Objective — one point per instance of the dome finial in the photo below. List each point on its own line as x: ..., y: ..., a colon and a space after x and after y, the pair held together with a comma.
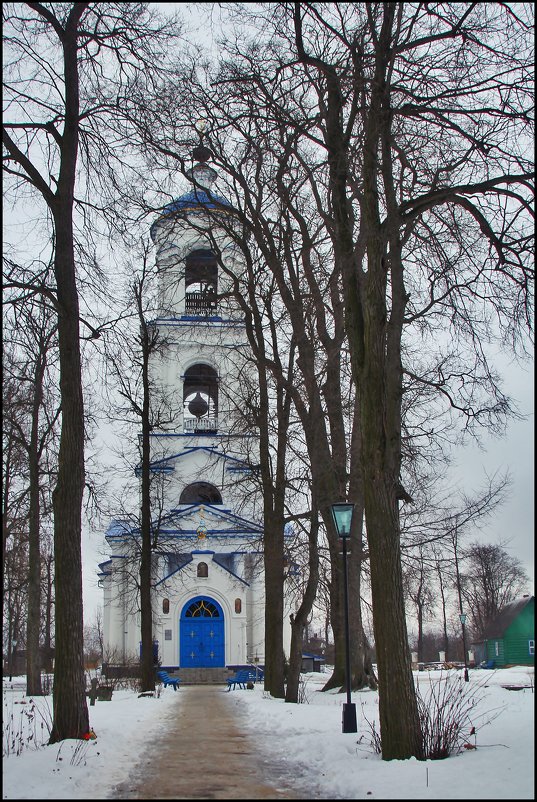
x: 201, y: 127
x: 201, y: 174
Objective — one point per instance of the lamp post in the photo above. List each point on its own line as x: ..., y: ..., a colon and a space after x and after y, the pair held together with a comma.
x: 342, y: 515
x: 463, y: 622
x: 13, y: 647
x: 462, y: 615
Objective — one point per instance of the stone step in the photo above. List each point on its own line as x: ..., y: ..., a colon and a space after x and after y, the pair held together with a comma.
x: 203, y: 676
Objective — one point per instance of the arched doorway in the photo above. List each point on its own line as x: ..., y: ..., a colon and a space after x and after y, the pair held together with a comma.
x: 201, y: 634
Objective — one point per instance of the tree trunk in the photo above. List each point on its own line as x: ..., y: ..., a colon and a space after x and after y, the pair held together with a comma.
x: 362, y: 672
x: 146, y: 603
x: 445, y: 637
x: 295, y: 659
x: 420, y: 632
x: 47, y: 638
x: 299, y: 621
x: 274, y: 607
x: 70, y: 706
x: 33, y: 663
x: 337, y: 678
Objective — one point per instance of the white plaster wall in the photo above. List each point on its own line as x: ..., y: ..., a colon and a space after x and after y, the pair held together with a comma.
x: 114, y: 618
x: 197, y: 466
x: 221, y: 586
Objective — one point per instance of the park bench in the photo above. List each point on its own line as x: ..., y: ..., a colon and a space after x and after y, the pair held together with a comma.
x: 101, y: 692
x: 243, y: 676
x: 167, y: 680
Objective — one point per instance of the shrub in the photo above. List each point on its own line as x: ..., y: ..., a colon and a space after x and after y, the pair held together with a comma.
x: 449, y: 716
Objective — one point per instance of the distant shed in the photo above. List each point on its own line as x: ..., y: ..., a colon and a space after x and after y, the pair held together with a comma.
x: 510, y: 638
x: 312, y: 662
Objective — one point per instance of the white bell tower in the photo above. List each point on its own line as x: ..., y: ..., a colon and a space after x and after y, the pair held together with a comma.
x: 208, y: 577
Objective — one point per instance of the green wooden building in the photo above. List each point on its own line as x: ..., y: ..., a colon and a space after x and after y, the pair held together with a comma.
x: 510, y: 638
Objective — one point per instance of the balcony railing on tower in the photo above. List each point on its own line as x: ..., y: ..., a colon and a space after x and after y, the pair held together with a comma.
x: 201, y: 303
x: 201, y: 425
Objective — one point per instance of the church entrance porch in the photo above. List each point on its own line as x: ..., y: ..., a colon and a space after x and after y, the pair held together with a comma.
x: 201, y: 634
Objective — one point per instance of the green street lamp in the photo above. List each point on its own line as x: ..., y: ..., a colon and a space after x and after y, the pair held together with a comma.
x: 11, y: 659
x: 462, y: 615
x: 342, y: 515
x: 463, y: 622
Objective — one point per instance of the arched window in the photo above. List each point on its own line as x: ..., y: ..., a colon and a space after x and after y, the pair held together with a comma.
x: 200, y: 399
x: 203, y: 570
x: 200, y: 493
x: 165, y: 606
x: 238, y: 606
x: 202, y: 609
x: 201, y: 282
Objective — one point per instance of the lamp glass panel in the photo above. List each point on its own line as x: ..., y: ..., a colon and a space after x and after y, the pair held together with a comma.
x: 342, y: 515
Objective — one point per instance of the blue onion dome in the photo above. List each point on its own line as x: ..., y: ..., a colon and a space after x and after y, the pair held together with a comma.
x: 193, y: 202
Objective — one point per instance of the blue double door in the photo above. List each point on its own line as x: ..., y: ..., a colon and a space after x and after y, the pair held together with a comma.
x: 201, y: 635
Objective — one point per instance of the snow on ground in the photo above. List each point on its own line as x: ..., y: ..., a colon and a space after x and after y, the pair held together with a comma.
x: 307, y: 738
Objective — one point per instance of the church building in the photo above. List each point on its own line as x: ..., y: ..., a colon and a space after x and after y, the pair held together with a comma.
x: 208, y: 581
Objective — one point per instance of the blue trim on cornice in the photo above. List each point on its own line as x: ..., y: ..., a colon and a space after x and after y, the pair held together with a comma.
x: 218, y: 512
x: 228, y: 533
x: 186, y: 321
x: 228, y: 436
x: 223, y: 567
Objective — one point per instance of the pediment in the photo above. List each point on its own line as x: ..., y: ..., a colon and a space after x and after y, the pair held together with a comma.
x: 208, y: 520
x: 192, y: 522
x: 167, y: 464
x: 217, y: 562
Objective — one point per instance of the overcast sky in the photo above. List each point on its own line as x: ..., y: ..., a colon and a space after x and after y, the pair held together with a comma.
x: 513, y: 524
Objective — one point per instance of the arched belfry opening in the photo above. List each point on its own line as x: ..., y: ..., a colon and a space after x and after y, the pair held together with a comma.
x: 200, y: 399
x: 201, y: 282
x: 200, y: 493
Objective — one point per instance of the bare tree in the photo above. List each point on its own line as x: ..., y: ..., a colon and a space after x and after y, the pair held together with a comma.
x: 93, y: 637
x: 299, y: 304
x: 47, y: 595
x: 419, y: 588
x: 490, y: 579
x: 32, y: 341
x: 457, y: 203
x: 66, y: 66
x: 427, y: 207
x: 132, y: 348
